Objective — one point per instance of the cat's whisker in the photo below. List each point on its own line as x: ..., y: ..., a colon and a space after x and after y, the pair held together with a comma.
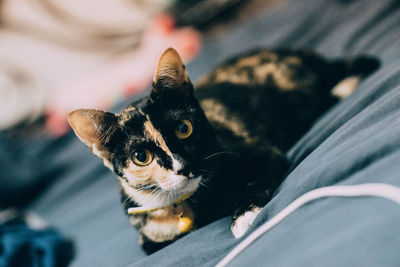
x: 220, y: 153
x: 166, y: 195
x: 126, y: 199
x: 203, y: 184
x: 148, y: 187
x: 129, y: 198
x: 161, y: 194
x: 205, y: 170
x: 156, y: 195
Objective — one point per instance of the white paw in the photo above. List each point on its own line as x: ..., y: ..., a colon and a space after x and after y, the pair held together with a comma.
x: 244, y: 221
x: 346, y: 87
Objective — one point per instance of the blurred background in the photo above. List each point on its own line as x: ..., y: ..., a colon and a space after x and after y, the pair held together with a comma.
x: 56, y: 56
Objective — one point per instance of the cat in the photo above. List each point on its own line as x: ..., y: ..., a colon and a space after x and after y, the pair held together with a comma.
x: 185, y: 157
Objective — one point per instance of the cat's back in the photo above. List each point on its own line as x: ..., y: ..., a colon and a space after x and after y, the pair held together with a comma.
x: 252, y: 94
x: 280, y: 68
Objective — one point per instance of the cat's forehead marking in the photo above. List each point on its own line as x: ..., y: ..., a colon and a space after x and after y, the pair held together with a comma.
x: 130, y: 108
x: 155, y: 135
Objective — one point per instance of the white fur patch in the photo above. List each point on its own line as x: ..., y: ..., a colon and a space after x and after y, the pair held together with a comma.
x: 143, y: 199
x: 176, y: 165
x: 150, y: 200
x: 160, y: 231
x: 96, y: 151
x: 346, y: 87
x: 174, y: 182
x: 244, y: 222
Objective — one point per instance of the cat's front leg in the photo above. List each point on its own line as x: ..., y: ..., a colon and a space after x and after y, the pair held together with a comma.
x: 265, y: 168
x: 248, y: 207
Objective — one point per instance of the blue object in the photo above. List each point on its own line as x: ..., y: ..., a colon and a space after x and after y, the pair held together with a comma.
x: 23, y: 246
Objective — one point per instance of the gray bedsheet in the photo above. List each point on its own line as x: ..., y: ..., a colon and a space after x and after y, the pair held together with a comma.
x: 357, y: 141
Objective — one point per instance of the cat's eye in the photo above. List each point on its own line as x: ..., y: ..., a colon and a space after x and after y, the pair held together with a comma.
x: 142, y: 157
x: 184, y: 129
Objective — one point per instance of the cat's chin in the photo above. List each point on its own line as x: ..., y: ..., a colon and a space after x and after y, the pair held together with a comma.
x: 187, y: 187
x: 167, y: 197
x: 174, y: 182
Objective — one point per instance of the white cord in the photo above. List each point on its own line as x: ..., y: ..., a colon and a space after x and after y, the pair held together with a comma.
x: 389, y: 192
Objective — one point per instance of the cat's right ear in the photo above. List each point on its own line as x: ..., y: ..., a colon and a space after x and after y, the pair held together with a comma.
x: 171, y: 76
x: 94, y: 128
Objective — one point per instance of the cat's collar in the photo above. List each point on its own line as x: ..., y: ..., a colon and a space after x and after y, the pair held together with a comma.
x: 140, y: 210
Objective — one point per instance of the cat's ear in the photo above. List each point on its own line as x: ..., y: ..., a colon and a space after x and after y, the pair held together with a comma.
x: 171, y: 74
x: 94, y: 128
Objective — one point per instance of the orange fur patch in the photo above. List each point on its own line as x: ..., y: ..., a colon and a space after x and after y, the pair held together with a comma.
x: 156, y: 136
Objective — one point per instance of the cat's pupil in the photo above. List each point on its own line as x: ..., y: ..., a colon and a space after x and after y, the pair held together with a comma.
x: 183, y: 127
x: 141, y: 155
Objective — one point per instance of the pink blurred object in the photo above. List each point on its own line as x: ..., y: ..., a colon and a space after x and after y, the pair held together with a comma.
x: 126, y: 76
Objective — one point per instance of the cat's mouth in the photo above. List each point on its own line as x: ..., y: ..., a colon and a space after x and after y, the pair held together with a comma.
x: 165, y: 193
x: 174, y: 182
x: 178, y: 186
x: 169, y: 197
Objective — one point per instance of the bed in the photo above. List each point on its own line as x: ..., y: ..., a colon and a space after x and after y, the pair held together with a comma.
x: 355, y: 142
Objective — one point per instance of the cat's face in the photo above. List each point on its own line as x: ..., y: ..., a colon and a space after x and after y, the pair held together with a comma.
x: 158, y: 146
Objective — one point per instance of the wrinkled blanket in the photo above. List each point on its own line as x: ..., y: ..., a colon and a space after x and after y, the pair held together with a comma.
x: 357, y: 141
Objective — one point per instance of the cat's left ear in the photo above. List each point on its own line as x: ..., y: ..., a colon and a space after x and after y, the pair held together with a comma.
x: 171, y: 75
x: 94, y: 128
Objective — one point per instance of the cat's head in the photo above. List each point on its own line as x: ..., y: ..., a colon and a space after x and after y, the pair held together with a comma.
x: 158, y: 146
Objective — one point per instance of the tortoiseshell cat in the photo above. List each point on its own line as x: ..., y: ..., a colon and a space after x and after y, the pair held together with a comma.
x: 222, y: 144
